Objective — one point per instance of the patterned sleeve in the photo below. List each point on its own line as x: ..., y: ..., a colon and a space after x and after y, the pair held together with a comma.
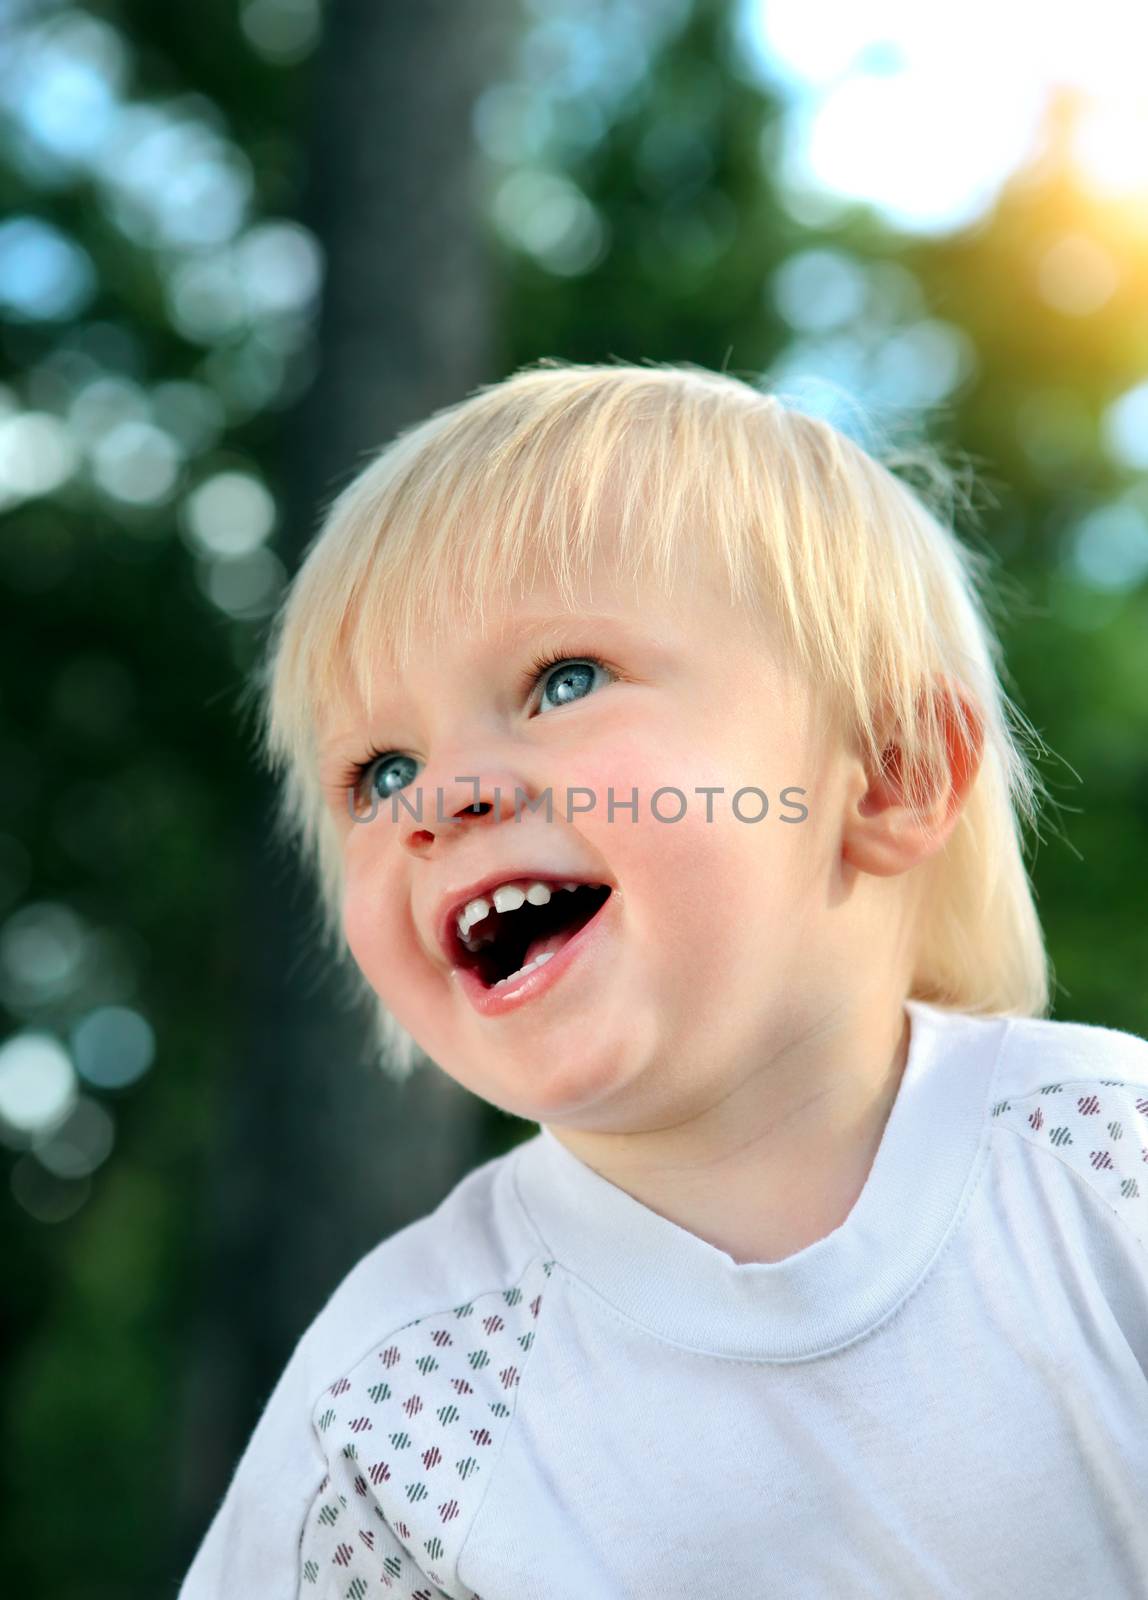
x: 1099, y: 1128
x: 412, y: 1434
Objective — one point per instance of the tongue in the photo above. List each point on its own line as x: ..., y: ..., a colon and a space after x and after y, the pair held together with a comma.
x: 548, y: 943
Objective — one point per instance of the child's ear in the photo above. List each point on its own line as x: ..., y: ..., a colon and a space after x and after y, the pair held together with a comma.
x: 881, y: 833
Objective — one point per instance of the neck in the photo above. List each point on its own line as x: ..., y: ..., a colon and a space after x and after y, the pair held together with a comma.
x: 780, y: 1160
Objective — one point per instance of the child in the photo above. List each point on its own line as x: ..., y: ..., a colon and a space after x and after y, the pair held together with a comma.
x: 647, y: 739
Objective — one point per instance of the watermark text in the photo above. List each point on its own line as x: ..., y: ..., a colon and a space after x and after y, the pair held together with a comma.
x: 665, y: 804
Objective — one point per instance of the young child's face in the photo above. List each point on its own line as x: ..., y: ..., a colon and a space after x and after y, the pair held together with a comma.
x: 718, y: 936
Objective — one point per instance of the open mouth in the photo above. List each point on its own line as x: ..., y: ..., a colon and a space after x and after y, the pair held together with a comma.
x: 511, y: 942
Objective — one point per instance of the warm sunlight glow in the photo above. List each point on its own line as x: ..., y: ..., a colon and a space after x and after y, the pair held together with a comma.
x: 1112, y: 143
x: 924, y: 111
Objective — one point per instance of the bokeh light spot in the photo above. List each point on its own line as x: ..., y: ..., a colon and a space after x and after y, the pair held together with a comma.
x: 37, y: 1083
x: 244, y: 586
x: 231, y: 514
x: 1125, y: 429
x: 136, y: 462
x: 113, y: 1046
x: 42, y: 950
x: 36, y: 455
x: 172, y: 180
x: 206, y: 299
x: 65, y: 84
x: 282, y: 31
x: 190, y: 412
x: 102, y: 405
x: 1077, y: 275
x: 81, y: 1142
x: 280, y: 265
x: 42, y: 1195
x: 512, y: 122
x: 552, y: 219
x: 43, y: 274
x: 920, y: 365
x: 1110, y: 548
x: 816, y: 290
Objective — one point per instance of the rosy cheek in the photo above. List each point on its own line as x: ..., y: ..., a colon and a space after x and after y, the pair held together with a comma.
x: 372, y: 926
x: 382, y: 939
x: 619, y: 766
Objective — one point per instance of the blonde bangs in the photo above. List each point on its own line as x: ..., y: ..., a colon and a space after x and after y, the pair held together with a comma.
x: 498, y: 498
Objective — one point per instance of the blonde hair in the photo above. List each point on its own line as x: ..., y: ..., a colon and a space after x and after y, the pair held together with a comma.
x: 876, y: 595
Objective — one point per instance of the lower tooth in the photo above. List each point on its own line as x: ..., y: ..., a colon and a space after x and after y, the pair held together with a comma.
x: 538, y: 961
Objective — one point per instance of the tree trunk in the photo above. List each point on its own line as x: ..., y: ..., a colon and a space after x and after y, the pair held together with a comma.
x: 320, y: 1156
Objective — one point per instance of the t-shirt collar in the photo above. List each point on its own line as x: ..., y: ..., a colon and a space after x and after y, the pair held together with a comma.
x: 686, y: 1290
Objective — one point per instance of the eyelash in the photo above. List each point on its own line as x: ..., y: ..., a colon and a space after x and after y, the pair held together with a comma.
x: 356, y: 771
x: 543, y: 664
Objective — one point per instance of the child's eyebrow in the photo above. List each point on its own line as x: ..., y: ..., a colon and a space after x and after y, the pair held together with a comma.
x: 525, y: 628
x: 537, y: 627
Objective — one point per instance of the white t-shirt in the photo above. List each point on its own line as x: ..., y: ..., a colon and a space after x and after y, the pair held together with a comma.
x: 546, y: 1391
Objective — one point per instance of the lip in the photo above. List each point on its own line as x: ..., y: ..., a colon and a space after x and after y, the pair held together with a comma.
x: 497, y: 1002
x: 445, y: 930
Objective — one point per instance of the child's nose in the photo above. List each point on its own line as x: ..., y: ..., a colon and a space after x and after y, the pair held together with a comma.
x: 443, y: 807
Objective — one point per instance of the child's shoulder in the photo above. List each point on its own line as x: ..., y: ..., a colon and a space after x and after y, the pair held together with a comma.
x: 424, y: 1342
x: 1038, y: 1054
x: 1079, y: 1092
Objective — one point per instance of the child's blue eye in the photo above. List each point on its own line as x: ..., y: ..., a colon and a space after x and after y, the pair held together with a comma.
x: 397, y: 768
x: 567, y: 679
x: 387, y: 767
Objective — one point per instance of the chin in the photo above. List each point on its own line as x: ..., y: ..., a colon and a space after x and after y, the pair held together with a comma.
x: 549, y: 1086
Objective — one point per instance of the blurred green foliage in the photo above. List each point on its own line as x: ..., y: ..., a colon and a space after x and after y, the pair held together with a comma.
x: 158, y: 324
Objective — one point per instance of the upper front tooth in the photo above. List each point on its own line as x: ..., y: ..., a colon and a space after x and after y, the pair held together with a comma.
x: 473, y: 912
x: 507, y: 897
